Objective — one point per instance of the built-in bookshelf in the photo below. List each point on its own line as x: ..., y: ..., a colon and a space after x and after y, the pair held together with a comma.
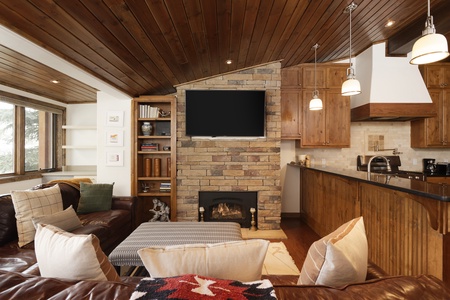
x: 153, y: 175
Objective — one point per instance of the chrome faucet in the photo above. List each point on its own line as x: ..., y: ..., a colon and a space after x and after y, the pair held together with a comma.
x: 369, y: 165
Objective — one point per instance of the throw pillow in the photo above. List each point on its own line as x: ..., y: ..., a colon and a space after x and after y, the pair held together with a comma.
x: 66, y: 219
x: 28, y: 204
x: 339, y: 258
x: 228, y: 260
x: 64, y: 255
x: 95, y: 197
x: 192, y: 286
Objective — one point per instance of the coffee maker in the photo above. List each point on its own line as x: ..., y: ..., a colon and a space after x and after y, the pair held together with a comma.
x: 429, y: 165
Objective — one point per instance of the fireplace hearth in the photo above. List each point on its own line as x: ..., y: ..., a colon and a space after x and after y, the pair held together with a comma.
x: 228, y: 207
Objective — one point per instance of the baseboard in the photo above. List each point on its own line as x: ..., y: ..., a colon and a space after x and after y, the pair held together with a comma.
x: 290, y: 215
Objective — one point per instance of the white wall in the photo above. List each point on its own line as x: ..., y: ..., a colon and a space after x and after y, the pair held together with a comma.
x: 81, y: 115
x: 120, y: 175
x: 290, y: 179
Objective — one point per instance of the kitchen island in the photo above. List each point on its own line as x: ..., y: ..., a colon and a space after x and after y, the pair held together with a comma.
x: 406, y: 220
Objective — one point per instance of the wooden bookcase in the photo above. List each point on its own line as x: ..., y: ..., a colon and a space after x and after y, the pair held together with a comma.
x: 159, y: 145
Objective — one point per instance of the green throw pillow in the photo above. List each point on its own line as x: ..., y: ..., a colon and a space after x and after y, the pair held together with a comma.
x: 95, y: 197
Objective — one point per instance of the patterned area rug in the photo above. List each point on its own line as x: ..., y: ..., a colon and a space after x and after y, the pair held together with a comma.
x: 263, y: 234
x: 278, y: 261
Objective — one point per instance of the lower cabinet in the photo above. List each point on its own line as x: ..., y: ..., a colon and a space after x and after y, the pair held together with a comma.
x: 407, y: 234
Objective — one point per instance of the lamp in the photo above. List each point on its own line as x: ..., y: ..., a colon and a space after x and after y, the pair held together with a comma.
x: 431, y: 46
x: 351, y: 86
x: 316, y: 102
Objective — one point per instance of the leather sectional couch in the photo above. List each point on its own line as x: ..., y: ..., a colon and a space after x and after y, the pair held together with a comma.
x: 19, y: 273
x: 111, y: 227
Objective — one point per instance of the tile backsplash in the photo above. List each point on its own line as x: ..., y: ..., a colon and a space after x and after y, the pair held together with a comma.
x: 365, y: 135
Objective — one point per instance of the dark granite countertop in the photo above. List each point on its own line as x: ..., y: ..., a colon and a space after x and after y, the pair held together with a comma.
x: 436, y: 191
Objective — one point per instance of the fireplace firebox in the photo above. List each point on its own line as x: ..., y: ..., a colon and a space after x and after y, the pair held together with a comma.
x: 228, y: 207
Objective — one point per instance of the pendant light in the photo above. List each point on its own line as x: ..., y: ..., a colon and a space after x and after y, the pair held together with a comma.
x: 351, y: 86
x: 431, y: 46
x: 316, y: 102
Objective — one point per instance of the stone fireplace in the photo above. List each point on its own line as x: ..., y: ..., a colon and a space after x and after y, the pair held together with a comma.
x: 228, y: 207
x: 233, y: 165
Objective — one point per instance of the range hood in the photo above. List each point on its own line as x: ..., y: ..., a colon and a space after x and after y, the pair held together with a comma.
x: 392, y: 89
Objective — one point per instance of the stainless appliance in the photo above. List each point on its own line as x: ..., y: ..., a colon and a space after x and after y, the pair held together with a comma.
x: 379, y: 165
x: 442, y: 168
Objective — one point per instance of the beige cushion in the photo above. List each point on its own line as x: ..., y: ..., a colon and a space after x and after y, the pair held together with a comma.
x: 240, y: 260
x: 339, y: 258
x: 30, y: 203
x: 66, y: 219
x: 64, y: 255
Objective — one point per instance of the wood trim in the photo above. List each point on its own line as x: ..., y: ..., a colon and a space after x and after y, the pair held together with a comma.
x: 393, y: 111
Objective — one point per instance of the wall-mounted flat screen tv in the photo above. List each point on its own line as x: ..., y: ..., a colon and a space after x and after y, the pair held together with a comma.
x: 225, y: 113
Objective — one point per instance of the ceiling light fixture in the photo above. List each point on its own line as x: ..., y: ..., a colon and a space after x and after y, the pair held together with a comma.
x: 389, y: 23
x: 54, y: 81
x: 351, y: 86
x: 228, y: 61
x: 316, y: 102
x: 431, y: 47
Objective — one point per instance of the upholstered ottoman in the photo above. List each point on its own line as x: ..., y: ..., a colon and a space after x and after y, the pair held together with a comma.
x: 169, y: 234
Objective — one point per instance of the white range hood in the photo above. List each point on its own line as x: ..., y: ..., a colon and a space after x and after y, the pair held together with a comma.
x: 392, y: 88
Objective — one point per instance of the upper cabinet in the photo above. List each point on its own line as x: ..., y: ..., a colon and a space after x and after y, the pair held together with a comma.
x: 434, y: 132
x: 436, y: 75
x: 329, y: 127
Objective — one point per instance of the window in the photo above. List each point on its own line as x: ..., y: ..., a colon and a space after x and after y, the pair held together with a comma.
x: 30, y: 136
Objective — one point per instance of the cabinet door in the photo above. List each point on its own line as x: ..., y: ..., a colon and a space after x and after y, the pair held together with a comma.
x: 313, y: 131
x: 337, y: 119
x: 291, y: 77
x: 291, y: 121
x: 434, y: 126
x: 437, y: 76
x: 308, y: 77
x: 336, y: 76
x: 446, y: 117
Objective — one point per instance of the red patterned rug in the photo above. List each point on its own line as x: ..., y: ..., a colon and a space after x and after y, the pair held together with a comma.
x: 193, y: 286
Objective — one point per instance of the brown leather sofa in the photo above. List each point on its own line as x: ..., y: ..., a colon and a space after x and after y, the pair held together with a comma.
x: 111, y: 227
x: 23, y: 286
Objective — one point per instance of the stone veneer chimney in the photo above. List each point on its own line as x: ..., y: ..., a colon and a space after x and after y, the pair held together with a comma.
x: 238, y: 164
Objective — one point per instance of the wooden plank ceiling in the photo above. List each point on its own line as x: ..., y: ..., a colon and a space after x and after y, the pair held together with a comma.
x: 149, y: 46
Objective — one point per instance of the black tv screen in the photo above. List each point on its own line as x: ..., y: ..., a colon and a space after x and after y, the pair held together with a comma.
x: 225, y: 113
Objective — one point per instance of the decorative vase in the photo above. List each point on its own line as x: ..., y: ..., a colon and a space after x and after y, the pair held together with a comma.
x: 146, y: 128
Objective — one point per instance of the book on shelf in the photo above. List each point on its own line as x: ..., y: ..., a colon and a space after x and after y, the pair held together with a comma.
x: 165, y: 187
x: 149, y: 147
x: 148, y: 111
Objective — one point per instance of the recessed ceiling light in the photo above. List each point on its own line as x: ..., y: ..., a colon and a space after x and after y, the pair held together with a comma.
x: 229, y: 62
x: 54, y: 81
x: 389, y: 23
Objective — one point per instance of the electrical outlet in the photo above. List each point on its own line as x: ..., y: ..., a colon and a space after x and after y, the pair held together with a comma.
x: 324, y: 162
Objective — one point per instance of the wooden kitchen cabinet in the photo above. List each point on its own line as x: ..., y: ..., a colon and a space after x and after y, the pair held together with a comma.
x: 291, y: 116
x: 292, y: 78
x: 436, y: 75
x: 442, y: 180
x: 434, y: 132
x: 329, y: 127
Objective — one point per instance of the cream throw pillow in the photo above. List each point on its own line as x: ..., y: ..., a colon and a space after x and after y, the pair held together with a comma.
x: 65, y: 255
x: 240, y: 260
x: 30, y: 203
x: 339, y: 258
x: 66, y: 219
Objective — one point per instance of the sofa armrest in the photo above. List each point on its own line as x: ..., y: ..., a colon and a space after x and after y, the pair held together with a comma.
x: 124, y: 202
x: 374, y: 271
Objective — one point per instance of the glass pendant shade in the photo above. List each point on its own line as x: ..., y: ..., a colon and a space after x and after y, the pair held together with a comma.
x: 315, y: 103
x: 429, y: 48
x: 351, y: 86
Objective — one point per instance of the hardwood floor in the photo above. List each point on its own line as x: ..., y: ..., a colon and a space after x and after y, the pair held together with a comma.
x: 300, y: 238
